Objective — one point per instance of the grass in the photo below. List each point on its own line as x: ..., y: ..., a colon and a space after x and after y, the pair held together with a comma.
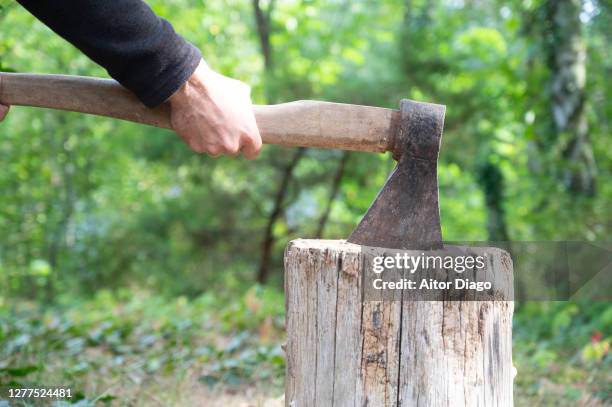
x: 133, y: 348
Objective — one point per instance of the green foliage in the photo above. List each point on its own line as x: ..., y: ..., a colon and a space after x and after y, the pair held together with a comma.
x: 125, y: 256
x: 562, y: 353
x: 95, y: 345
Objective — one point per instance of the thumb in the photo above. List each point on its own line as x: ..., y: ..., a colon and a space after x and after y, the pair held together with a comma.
x: 3, y: 111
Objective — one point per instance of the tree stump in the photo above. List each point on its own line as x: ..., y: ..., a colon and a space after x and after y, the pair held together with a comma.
x: 342, y: 351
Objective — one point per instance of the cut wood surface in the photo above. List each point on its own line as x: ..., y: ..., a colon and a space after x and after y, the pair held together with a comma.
x: 295, y: 124
x: 342, y: 351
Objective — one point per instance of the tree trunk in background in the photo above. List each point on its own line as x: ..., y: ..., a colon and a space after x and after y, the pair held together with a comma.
x: 566, y: 52
x: 263, y: 24
x: 57, y: 237
x: 335, y: 188
x: 492, y: 183
x: 415, y: 20
x: 277, y: 210
x: 263, y: 18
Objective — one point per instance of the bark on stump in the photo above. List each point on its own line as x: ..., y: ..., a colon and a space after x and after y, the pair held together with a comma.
x: 342, y: 351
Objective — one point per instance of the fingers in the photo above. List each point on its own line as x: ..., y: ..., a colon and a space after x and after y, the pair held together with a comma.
x: 3, y: 111
x: 201, y: 141
x: 230, y: 146
x: 249, y: 146
x: 214, y: 114
x: 251, y: 140
x: 252, y: 145
x: 216, y: 141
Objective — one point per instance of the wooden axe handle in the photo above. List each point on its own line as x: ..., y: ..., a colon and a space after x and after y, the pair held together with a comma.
x: 295, y: 124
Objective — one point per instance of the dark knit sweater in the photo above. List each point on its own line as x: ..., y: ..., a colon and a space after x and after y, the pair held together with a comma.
x: 138, y: 49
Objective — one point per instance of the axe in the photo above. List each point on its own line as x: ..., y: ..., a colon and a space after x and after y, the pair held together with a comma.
x: 404, y: 214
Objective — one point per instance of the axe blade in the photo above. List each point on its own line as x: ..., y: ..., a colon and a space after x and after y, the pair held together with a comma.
x: 405, y: 214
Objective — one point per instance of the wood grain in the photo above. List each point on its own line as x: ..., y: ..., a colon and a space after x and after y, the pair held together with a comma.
x: 343, y: 351
x: 294, y: 124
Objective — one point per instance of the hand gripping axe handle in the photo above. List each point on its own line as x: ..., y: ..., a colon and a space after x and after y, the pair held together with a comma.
x: 405, y: 211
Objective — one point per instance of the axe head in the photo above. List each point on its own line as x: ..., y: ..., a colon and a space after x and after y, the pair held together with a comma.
x: 405, y: 214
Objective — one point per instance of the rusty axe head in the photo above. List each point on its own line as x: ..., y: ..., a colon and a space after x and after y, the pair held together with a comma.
x: 405, y: 214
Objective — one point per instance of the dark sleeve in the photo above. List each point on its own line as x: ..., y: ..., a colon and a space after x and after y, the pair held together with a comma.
x: 138, y: 49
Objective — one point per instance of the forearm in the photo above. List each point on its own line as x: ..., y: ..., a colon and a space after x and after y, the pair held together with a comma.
x: 137, y: 48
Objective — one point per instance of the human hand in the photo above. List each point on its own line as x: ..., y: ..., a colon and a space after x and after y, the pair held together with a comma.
x: 3, y: 111
x: 213, y: 114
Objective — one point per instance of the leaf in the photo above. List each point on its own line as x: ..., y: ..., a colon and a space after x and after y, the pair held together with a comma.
x: 107, y: 398
x: 236, y: 342
x: 231, y: 379
x: 208, y: 380
x: 40, y: 267
x: 20, y: 371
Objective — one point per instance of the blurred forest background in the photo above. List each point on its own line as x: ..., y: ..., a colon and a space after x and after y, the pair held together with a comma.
x: 137, y: 271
